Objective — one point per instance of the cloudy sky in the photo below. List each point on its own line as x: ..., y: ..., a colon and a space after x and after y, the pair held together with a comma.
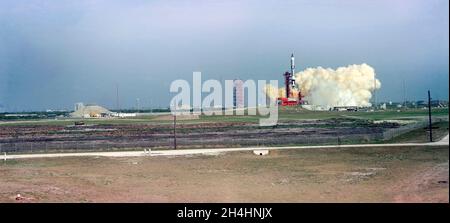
x: 56, y: 53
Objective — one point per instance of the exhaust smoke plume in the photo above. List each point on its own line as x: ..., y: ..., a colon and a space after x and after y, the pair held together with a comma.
x: 346, y: 86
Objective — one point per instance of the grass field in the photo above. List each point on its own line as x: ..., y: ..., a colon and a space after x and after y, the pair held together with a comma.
x: 296, y: 127
x: 440, y: 130
x: 285, y: 114
x: 414, y: 174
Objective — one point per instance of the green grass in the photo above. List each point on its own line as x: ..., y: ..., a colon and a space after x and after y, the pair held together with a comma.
x: 440, y: 130
x: 71, y: 122
x: 293, y: 114
x: 285, y: 114
x: 405, y: 114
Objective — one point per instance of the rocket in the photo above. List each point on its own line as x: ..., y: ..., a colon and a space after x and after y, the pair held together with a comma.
x: 292, y: 64
x: 292, y: 68
x: 289, y: 80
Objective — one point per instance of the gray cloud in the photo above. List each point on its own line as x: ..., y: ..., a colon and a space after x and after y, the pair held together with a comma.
x: 56, y: 53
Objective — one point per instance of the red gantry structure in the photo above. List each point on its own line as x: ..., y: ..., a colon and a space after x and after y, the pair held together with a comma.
x: 289, y: 82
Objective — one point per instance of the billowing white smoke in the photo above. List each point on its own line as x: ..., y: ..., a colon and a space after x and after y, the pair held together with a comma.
x: 346, y: 86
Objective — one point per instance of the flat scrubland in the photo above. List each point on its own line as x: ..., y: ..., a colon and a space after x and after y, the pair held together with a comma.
x: 285, y: 113
x: 295, y: 127
x: 414, y: 174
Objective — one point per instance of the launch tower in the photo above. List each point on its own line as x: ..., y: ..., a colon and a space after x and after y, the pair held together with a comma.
x: 290, y: 99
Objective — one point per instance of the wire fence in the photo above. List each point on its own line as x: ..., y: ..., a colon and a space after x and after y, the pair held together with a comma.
x: 60, y: 146
x: 204, y: 140
x: 182, y: 142
x: 395, y: 132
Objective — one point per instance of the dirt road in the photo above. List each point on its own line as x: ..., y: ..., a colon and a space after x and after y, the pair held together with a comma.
x: 442, y: 142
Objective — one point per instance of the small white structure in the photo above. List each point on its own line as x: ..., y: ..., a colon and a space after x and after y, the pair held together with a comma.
x: 148, y: 152
x: 261, y: 152
x: 123, y: 115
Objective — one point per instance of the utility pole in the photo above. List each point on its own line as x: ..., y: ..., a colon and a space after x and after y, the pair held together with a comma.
x: 404, y: 94
x: 138, y: 104
x: 174, y: 132
x: 429, y: 117
x: 117, y: 98
x: 151, y: 108
x: 374, y: 92
x: 174, y: 128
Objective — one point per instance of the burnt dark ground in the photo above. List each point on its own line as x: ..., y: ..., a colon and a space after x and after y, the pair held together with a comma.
x: 42, y: 138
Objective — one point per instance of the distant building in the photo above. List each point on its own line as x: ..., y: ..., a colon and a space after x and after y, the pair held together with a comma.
x: 89, y: 111
x: 345, y: 108
x: 123, y: 115
x: 439, y: 103
x: 434, y: 103
x: 421, y: 103
x: 238, y: 93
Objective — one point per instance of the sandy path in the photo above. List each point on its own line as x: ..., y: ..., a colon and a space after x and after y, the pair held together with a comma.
x: 442, y: 142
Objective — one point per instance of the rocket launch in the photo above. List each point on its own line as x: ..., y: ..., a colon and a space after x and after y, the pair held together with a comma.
x: 345, y: 86
x: 352, y: 85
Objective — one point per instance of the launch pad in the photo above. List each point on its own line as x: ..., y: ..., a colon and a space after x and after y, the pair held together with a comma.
x: 291, y: 98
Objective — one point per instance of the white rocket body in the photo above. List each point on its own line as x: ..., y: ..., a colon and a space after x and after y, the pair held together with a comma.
x: 292, y: 64
x: 293, y: 69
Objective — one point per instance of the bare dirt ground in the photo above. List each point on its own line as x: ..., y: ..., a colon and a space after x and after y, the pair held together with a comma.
x: 425, y: 185
x: 407, y: 174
